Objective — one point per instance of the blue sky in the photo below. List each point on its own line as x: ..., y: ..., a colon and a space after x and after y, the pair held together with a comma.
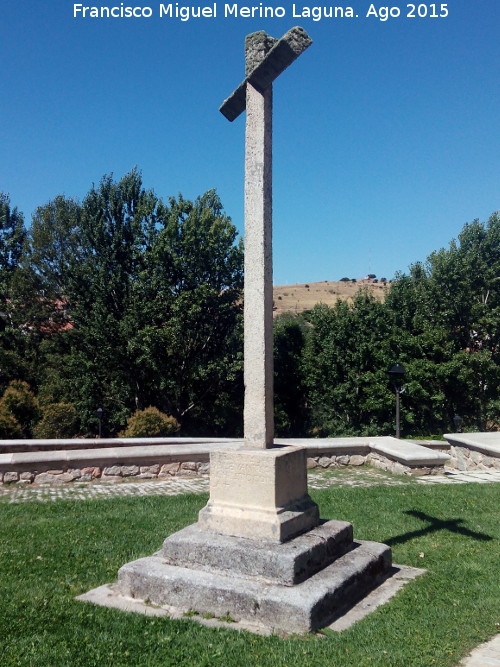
x: 386, y: 133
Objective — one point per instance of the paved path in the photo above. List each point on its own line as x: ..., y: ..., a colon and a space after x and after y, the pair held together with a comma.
x: 484, y: 655
x: 174, y: 486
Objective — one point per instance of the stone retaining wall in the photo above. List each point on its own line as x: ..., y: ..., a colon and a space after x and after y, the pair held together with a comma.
x: 185, y: 457
x: 464, y: 458
x: 373, y: 459
x: 106, y: 473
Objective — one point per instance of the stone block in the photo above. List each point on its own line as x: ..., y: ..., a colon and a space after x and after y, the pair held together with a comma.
x: 26, y: 476
x: 288, y: 563
x: 10, y: 477
x: 189, y: 465
x: 53, y: 478
x: 169, y: 469
x: 311, y: 463
x: 91, y: 472
x: 150, y: 470
x: 325, y: 461
x: 112, y: 471
x: 476, y: 457
x: 356, y: 460
x: 259, y: 493
x: 343, y: 460
x: 129, y: 471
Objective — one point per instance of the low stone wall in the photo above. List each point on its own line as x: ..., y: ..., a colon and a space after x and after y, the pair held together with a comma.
x: 373, y: 459
x: 464, y: 458
x: 474, y: 451
x: 190, y: 458
x: 113, y: 473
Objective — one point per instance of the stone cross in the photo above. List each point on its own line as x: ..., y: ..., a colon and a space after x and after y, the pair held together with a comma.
x: 265, y: 59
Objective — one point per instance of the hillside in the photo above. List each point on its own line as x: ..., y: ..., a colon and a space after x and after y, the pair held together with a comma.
x: 304, y: 296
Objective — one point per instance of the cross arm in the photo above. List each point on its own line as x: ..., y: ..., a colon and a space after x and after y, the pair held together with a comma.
x: 281, y: 55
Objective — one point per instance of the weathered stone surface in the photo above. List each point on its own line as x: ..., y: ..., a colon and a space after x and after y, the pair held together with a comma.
x: 169, y: 469
x: 258, y: 414
x: 112, y: 471
x: 189, y: 465
x: 129, y: 471
x: 356, y: 460
x: 302, y: 608
x: 325, y: 461
x: 10, y: 477
x: 92, y: 471
x: 259, y: 493
x: 311, y: 463
x: 257, y: 46
x: 152, y: 470
x: 342, y: 460
x: 267, y: 68
x: 26, y: 476
x: 291, y: 563
x: 53, y: 478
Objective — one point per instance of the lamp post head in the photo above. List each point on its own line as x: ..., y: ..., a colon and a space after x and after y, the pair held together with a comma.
x: 457, y: 421
x: 99, y: 413
x: 396, y: 374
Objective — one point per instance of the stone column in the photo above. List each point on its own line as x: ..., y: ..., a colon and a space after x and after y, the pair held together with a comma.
x: 258, y: 318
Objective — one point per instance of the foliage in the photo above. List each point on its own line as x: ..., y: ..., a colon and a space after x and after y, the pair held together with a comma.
x: 290, y: 403
x: 447, y: 314
x: 59, y: 420
x: 345, y: 364
x: 150, y: 423
x: 125, y: 301
x: 9, y: 426
x: 155, y: 302
x: 19, y: 401
x: 12, y: 235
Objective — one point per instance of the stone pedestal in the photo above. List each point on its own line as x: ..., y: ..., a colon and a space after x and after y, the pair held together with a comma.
x: 259, y: 493
x: 259, y: 553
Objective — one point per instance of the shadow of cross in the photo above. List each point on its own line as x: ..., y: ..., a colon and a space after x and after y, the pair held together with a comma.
x: 435, y: 524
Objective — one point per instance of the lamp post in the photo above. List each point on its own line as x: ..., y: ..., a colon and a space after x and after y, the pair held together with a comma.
x: 457, y: 421
x: 396, y: 374
x: 99, y: 413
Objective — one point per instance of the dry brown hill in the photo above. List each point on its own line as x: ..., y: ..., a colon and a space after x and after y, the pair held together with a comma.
x: 304, y: 296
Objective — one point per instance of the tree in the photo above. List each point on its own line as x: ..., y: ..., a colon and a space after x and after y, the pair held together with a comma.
x: 117, y: 221
x: 290, y: 402
x: 189, y: 348
x: 12, y: 238
x: 12, y: 235
x: 446, y: 314
x: 156, y: 302
x: 346, y: 361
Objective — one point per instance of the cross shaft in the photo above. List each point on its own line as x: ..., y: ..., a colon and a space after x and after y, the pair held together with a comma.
x: 266, y: 58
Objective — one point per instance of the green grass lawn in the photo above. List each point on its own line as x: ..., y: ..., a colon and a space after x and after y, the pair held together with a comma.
x: 50, y: 552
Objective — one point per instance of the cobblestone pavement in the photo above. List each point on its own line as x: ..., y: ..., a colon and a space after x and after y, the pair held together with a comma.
x: 174, y: 486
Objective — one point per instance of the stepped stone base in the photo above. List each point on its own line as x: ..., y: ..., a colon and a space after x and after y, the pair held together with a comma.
x: 296, y: 586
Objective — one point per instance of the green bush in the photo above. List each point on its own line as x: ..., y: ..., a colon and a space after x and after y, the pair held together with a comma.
x: 9, y: 426
x: 20, y: 402
x: 150, y: 423
x: 59, y: 420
